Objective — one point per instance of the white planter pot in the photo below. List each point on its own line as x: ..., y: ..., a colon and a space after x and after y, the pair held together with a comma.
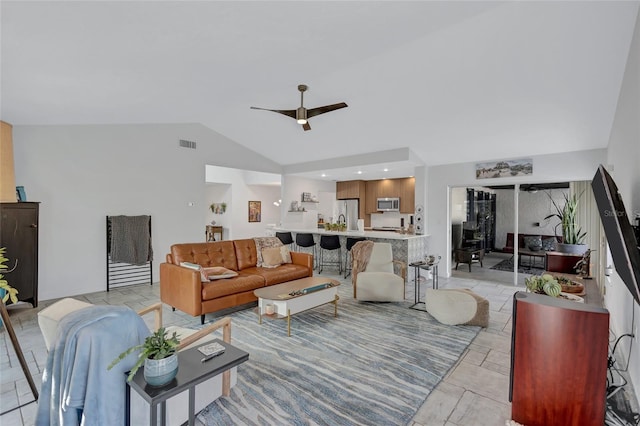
x: 578, y: 249
x: 159, y: 372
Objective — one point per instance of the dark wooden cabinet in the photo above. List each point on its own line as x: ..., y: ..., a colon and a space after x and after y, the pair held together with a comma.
x: 558, y: 361
x: 19, y: 234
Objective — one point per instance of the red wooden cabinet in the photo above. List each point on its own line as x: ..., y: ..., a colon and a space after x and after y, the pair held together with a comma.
x: 558, y: 361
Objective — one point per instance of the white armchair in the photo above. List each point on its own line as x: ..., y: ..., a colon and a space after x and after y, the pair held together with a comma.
x: 378, y: 282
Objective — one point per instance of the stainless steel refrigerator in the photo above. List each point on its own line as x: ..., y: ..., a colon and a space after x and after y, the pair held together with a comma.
x: 349, y: 208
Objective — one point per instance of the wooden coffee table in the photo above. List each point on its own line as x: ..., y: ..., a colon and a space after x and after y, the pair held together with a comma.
x: 286, y: 305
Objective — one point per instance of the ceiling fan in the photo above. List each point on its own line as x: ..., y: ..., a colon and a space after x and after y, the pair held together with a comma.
x: 302, y: 114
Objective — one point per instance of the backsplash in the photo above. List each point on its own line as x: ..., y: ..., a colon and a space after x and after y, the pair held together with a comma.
x: 389, y: 219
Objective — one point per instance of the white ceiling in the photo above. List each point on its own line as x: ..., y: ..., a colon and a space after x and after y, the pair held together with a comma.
x: 450, y: 81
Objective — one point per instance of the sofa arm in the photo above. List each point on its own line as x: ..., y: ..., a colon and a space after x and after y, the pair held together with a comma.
x: 304, y: 259
x: 181, y: 288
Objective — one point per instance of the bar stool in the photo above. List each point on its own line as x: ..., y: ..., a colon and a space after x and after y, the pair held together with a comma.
x: 351, y: 241
x: 306, y: 240
x: 286, y: 238
x: 330, y: 242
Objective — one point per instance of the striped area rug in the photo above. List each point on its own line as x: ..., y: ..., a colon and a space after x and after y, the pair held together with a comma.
x: 374, y: 364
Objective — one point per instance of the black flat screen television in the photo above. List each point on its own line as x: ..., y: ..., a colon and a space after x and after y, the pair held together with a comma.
x: 617, y: 227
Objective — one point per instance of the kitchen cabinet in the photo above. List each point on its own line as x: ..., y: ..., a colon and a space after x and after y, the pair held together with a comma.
x: 407, y: 193
x: 350, y: 189
x: 372, y: 197
x: 403, y: 188
x: 19, y: 234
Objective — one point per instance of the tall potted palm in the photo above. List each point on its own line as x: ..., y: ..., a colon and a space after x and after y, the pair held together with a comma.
x: 572, y: 234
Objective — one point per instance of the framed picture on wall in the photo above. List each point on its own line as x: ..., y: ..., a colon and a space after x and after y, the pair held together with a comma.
x: 255, y: 211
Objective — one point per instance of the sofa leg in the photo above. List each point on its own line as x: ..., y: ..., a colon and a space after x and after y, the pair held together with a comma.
x: 173, y: 309
x: 456, y: 266
x: 469, y: 266
x: 201, y: 319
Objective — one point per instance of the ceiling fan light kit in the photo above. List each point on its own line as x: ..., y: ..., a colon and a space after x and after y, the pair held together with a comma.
x: 302, y: 114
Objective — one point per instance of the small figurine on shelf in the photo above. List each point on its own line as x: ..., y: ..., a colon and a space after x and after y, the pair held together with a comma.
x: 583, y: 267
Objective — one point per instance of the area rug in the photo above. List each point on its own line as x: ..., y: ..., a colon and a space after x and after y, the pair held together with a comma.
x: 507, y: 265
x: 374, y: 364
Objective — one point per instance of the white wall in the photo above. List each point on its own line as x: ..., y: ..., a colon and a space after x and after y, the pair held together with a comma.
x: 292, y: 189
x: 624, y: 155
x: 81, y: 174
x: 533, y: 208
x: 546, y: 168
x: 245, y: 186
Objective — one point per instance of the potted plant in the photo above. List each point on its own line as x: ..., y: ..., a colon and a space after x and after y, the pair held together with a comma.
x: 572, y: 235
x: 6, y: 291
x: 543, y: 284
x: 158, y: 354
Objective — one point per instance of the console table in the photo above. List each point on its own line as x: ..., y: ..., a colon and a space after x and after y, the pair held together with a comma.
x: 211, y: 232
x: 191, y: 372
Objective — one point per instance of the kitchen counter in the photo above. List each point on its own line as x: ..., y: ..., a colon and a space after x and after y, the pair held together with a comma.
x: 386, y: 235
x: 407, y: 248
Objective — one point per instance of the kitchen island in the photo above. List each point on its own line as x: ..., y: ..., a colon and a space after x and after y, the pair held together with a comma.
x: 407, y: 248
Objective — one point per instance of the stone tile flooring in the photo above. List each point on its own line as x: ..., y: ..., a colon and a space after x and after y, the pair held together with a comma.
x: 475, y: 391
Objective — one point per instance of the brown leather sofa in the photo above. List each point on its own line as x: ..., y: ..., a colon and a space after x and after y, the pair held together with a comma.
x: 182, y: 288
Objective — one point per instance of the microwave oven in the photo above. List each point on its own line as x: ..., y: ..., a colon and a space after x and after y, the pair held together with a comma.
x: 388, y: 204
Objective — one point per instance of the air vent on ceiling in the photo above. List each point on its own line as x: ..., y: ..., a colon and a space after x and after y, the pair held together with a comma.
x: 187, y: 144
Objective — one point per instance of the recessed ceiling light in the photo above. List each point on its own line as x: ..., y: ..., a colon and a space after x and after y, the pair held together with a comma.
x: 359, y: 172
x: 323, y: 175
x: 385, y: 170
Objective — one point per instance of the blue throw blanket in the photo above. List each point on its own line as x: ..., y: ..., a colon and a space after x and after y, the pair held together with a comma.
x: 77, y: 388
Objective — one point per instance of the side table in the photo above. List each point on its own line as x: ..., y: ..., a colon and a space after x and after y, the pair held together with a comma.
x: 191, y: 371
x: 211, y: 231
x: 417, y: 266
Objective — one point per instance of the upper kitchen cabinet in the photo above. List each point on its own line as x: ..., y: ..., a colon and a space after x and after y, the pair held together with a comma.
x: 351, y: 189
x: 407, y: 193
x: 391, y: 188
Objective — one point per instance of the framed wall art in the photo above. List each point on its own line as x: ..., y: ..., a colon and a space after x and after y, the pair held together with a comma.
x: 506, y: 168
x: 255, y: 211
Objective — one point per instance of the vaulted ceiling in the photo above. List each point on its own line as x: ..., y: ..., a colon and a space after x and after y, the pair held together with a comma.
x: 450, y: 81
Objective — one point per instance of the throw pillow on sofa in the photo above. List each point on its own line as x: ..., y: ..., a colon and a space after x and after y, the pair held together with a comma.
x: 533, y: 242
x: 265, y: 242
x: 218, y: 273
x: 275, y: 256
x: 196, y: 267
x: 549, y: 244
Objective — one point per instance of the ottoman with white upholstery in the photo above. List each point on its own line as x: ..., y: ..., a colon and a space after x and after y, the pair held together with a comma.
x: 457, y: 307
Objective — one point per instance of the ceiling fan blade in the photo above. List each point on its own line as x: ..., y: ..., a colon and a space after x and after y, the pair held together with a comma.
x: 306, y: 126
x: 327, y: 108
x: 288, y: 112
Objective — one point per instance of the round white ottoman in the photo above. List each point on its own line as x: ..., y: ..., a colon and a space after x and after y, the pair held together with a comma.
x: 457, y: 307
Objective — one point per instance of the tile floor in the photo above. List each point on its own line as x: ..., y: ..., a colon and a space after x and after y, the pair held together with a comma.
x: 475, y: 391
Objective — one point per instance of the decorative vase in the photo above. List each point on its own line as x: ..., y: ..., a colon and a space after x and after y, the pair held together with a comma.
x: 159, y: 372
x: 578, y: 249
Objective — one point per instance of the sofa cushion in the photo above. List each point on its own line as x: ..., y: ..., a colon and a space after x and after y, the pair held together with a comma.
x: 243, y: 282
x: 246, y: 253
x: 281, y: 274
x: 217, y: 253
x: 265, y: 242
